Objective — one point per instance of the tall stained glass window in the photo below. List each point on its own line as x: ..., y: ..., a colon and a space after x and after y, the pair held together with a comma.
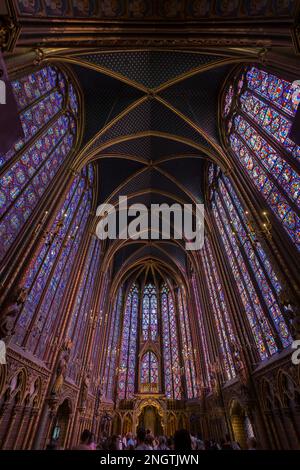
x: 127, y: 366
x: 48, y: 109
x: 50, y: 269
x: 205, y: 358
x: 172, y: 373
x: 149, y: 372
x: 83, y: 313
x: 255, y: 278
x: 187, y: 346
x: 149, y: 318
x: 259, y: 110
x: 110, y: 370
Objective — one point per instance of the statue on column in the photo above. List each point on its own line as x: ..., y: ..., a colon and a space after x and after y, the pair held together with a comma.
x: 9, y: 311
x: 291, y: 311
x: 61, y: 368
x: 85, y: 385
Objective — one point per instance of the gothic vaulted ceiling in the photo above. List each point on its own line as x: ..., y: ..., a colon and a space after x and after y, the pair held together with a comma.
x: 151, y: 120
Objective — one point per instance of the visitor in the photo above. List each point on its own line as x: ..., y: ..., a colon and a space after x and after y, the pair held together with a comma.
x: 141, y: 438
x: 226, y: 443
x: 149, y: 441
x: 252, y: 443
x: 182, y: 440
x: 162, y: 443
x: 130, y: 444
x: 86, y: 441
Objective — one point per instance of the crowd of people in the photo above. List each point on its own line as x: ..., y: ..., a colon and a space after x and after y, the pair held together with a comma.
x: 145, y: 440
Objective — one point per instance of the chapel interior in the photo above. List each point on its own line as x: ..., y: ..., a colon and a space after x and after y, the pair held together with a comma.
x: 164, y: 102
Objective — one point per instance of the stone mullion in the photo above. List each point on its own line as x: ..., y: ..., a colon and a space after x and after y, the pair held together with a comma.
x: 191, y: 357
x: 253, y: 277
x: 232, y: 297
x: 283, y: 260
x: 33, y: 320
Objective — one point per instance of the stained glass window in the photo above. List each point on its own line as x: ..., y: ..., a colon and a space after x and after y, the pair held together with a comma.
x: 259, y: 112
x: 127, y: 366
x: 49, y: 121
x: 256, y: 280
x: 149, y: 318
x: 49, y: 271
x: 187, y: 346
x: 83, y: 313
x: 172, y: 372
x: 220, y: 312
x: 203, y: 334
x: 112, y: 345
x: 149, y: 372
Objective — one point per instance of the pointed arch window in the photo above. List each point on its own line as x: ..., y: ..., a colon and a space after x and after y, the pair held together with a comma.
x: 259, y: 110
x: 48, y: 109
x: 149, y: 372
x: 149, y: 317
x: 255, y: 278
x: 172, y: 373
x: 48, y: 274
x: 127, y: 367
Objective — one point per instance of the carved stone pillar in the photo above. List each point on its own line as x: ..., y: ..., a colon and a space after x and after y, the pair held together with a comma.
x: 29, y: 435
x: 290, y: 430
x: 9, y: 33
x: 14, y: 415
